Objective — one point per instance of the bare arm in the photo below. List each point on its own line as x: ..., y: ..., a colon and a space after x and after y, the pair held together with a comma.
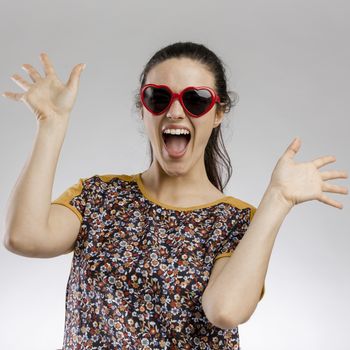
x: 238, y: 287
x: 28, y: 209
x: 30, y: 200
x: 234, y: 289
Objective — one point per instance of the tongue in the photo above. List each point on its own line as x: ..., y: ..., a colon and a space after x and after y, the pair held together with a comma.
x: 176, y: 143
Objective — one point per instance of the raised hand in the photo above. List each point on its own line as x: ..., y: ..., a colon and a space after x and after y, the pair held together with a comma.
x: 300, y: 182
x: 47, y: 97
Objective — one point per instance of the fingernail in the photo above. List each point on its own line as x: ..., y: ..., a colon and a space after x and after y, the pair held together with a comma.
x: 83, y: 67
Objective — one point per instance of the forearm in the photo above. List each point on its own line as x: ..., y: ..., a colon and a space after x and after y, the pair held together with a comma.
x: 237, y: 289
x: 30, y: 199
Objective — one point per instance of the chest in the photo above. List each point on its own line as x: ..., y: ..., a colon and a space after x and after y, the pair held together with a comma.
x: 133, y: 253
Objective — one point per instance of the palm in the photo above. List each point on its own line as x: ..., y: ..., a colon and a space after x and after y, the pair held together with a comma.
x: 47, y: 96
x: 300, y: 182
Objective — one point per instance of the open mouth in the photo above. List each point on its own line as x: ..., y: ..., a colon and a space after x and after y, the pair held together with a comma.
x: 176, y: 144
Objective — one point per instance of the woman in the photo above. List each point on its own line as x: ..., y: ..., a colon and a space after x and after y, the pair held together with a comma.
x: 153, y: 266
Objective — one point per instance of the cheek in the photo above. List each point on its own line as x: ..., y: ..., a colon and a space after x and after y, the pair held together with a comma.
x: 151, y: 126
x: 203, y: 130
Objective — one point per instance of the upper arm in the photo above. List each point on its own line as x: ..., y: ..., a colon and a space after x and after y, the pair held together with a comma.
x: 207, y: 303
x: 63, y: 229
x: 64, y: 222
x: 219, y: 264
x: 229, y: 244
x: 56, y: 239
x: 65, y: 218
x: 61, y: 233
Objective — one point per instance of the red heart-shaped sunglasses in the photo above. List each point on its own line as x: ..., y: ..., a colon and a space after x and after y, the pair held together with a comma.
x: 196, y: 100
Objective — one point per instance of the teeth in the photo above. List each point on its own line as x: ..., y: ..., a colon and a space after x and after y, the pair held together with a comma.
x: 176, y: 131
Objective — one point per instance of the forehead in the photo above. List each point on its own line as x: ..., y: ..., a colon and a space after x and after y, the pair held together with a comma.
x: 179, y: 73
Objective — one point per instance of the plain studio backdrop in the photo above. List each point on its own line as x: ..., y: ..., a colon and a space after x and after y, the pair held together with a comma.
x: 289, y: 61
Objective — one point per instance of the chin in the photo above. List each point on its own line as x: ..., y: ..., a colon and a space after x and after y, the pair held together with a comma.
x: 175, y: 169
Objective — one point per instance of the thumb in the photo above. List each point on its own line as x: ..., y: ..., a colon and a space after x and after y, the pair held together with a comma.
x: 293, y: 148
x: 74, y: 76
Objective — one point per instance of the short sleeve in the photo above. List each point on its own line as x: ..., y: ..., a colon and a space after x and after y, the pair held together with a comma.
x: 228, y: 246
x: 74, y: 198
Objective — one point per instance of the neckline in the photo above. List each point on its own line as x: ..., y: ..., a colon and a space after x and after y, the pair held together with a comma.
x: 145, y: 193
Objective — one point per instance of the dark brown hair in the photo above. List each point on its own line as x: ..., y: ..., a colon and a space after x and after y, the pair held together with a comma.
x: 216, y: 158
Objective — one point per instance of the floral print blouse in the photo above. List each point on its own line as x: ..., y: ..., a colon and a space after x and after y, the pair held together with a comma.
x: 140, y: 267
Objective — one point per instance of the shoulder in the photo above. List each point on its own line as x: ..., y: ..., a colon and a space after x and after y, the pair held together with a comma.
x: 110, y: 184
x: 240, y: 204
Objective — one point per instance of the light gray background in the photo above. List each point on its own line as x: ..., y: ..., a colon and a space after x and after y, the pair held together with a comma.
x: 289, y: 62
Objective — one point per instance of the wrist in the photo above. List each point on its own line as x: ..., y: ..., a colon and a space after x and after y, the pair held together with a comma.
x: 58, y: 124
x: 274, y: 195
x: 53, y: 131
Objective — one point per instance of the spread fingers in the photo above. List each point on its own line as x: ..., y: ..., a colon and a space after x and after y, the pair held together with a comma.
x: 48, y: 67
x: 13, y: 95
x: 21, y: 82
x: 32, y: 72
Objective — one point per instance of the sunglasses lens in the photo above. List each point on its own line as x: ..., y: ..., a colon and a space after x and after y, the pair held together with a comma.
x: 156, y: 99
x: 197, y: 101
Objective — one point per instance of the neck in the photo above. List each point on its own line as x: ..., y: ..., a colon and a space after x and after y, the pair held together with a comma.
x: 174, y: 186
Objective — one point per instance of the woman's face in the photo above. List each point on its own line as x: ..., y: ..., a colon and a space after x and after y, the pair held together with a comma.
x: 179, y: 73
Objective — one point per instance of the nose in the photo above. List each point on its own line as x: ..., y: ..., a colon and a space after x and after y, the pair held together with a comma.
x: 175, y: 111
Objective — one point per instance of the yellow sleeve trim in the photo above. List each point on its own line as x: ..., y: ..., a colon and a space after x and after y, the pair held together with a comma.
x: 223, y: 255
x: 74, y: 209
x: 77, y: 188
x: 67, y: 196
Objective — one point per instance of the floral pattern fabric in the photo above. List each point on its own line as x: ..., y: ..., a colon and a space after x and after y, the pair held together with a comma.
x: 140, y: 267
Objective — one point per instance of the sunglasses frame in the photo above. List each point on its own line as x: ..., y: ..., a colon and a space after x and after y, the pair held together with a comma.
x: 174, y: 95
